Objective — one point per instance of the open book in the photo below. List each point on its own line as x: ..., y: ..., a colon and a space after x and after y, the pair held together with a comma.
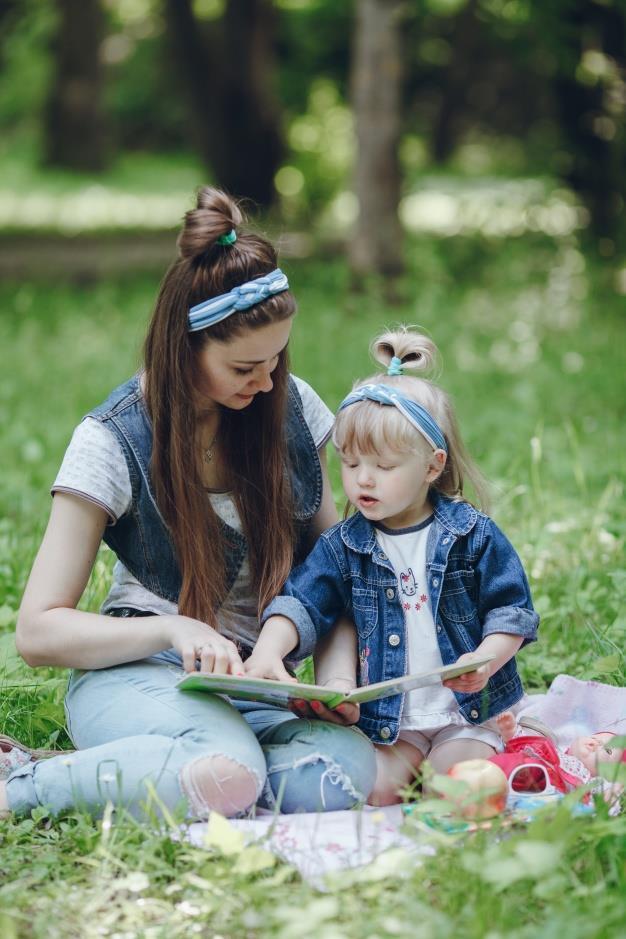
x: 268, y: 691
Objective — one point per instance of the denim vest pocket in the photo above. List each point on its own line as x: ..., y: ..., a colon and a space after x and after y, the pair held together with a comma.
x: 365, y: 606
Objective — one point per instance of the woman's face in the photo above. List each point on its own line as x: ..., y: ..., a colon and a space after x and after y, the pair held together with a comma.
x: 232, y: 373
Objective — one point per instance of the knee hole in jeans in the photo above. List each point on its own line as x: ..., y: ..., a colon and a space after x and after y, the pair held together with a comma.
x: 220, y: 784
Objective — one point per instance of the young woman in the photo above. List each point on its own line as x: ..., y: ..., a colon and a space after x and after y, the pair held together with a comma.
x: 205, y: 474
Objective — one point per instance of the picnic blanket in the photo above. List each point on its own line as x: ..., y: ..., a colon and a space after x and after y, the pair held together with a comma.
x: 320, y: 843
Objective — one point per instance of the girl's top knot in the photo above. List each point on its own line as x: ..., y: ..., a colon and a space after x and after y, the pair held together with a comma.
x: 404, y: 350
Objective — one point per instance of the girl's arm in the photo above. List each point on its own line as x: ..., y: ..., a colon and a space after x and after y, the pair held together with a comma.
x: 504, y: 606
x: 51, y: 631
x: 335, y: 656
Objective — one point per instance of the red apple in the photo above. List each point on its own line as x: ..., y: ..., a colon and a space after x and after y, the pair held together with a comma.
x: 486, y: 788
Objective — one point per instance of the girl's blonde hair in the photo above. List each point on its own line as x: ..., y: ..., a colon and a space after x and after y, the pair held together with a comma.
x: 368, y: 427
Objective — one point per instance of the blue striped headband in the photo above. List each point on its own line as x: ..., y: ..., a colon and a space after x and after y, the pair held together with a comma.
x: 239, y: 298
x: 414, y: 412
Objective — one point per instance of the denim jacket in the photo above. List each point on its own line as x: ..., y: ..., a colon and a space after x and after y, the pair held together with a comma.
x: 141, y: 539
x: 477, y: 587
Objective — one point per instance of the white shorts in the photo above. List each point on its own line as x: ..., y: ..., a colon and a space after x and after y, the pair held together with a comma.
x: 429, y: 738
x: 426, y: 739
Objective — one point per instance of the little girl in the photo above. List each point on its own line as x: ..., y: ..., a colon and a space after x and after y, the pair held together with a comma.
x: 427, y: 578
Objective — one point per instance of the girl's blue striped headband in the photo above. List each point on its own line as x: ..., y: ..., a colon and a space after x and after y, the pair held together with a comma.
x: 414, y: 412
x: 239, y: 298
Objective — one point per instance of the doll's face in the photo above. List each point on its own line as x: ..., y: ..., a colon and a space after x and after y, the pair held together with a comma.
x: 595, y: 749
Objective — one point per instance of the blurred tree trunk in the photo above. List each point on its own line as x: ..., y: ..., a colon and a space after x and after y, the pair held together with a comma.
x: 465, y: 42
x: 74, y: 124
x: 228, y: 69
x: 7, y: 10
x: 592, y: 112
x: 376, y: 245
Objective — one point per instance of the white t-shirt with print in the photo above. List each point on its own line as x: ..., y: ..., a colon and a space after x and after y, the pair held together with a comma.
x: 434, y: 706
x: 94, y: 468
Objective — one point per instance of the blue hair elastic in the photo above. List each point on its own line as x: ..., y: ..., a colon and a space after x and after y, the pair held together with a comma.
x: 239, y: 298
x: 395, y: 366
x: 414, y: 412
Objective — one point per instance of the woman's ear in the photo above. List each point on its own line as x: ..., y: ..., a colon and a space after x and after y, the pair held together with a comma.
x: 436, y: 465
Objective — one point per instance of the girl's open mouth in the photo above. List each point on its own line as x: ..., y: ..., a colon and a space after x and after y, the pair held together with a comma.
x: 367, y: 501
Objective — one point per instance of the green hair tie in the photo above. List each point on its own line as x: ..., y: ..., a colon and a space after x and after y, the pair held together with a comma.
x: 228, y: 239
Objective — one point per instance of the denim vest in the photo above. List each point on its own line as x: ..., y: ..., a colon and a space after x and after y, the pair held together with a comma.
x: 477, y: 586
x: 141, y: 539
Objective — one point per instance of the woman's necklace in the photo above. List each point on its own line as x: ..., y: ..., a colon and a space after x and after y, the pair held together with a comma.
x: 209, y: 451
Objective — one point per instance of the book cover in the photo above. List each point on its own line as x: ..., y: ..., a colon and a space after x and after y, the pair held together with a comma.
x: 268, y: 691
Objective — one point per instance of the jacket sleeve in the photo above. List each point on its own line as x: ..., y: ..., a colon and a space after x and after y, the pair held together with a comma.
x: 314, y: 597
x: 504, y: 601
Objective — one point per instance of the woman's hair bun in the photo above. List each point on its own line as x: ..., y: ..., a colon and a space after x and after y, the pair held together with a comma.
x: 216, y: 214
x: 415, y: 350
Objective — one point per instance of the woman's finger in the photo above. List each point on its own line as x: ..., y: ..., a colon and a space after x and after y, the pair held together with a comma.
x: 188, y: 655
x: 235, y: 662
x: 301, y: 708
x: 220, y: 662
x: 207, y: 658
x: 337, y: 715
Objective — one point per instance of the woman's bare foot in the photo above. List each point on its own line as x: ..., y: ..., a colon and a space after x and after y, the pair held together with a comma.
x: 4, y: 804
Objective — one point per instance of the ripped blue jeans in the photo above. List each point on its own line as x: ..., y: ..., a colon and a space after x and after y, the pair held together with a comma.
x: 137, y: 735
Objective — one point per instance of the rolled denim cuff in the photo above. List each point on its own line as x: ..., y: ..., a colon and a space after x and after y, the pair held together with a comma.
x: 21, y: 793
x: 295, y: 611
x: 514, y: 620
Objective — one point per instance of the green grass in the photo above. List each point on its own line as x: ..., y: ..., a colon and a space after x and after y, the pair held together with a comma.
x: 531, y: 334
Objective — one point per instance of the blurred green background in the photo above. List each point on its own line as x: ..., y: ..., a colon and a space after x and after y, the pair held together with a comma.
x: 453, y: 163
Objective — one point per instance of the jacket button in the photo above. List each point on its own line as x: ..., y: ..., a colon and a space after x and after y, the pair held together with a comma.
x: 394, y: 639
x: 474, y: 713
x: 435, y: 581
x: 385, y: 733
x: 445, y: 540
x: 390, y: 593
x: 438, y: 627
x: 383, y: 556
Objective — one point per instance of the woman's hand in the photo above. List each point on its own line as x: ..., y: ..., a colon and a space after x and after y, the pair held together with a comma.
x: 197, y: 642
x: 345, y: 714
x: 471, y: 682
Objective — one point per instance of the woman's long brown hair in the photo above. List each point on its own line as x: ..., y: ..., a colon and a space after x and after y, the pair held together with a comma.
x: 252, y: 441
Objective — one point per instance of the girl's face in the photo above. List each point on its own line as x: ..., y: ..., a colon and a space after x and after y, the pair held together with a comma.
x: 391, y: 486
x: 595, y: 749
x: 232, y: 373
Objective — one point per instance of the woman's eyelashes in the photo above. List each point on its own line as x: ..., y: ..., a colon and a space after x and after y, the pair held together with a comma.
x: 248, y: 371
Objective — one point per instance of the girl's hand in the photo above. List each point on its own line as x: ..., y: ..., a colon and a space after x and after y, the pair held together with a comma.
x: 198, y: 643
x: 472, y: 681
x: 262, y: 664
x: 276, y: 640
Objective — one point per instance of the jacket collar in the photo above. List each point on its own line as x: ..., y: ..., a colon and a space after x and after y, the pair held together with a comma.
x: 457, y: 517
x: 358, y: 534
